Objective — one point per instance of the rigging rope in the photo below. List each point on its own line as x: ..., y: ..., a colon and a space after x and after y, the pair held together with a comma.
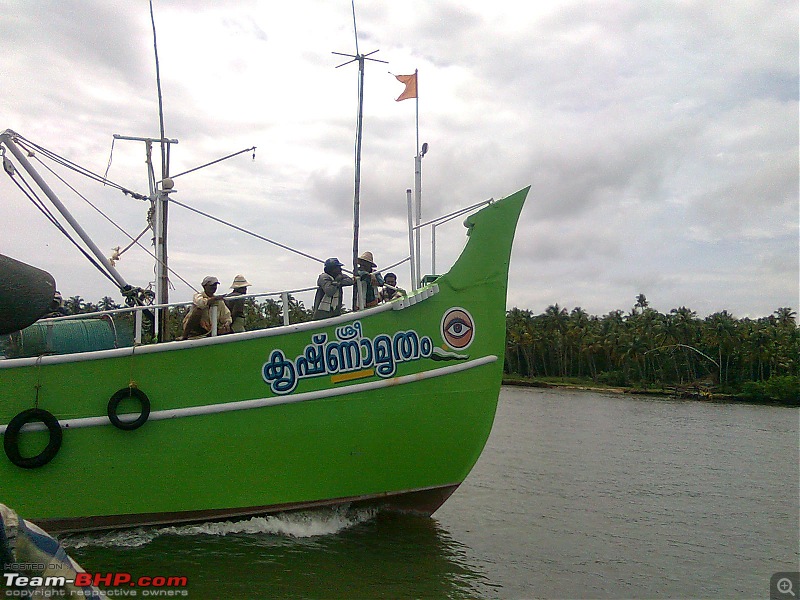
x: 27, y: 145
x: 30, y: 193
x: 110, y: 157
x: 110, y: 220
x: 213, y: 162
x: 255, y: 235
x: 37, y: 201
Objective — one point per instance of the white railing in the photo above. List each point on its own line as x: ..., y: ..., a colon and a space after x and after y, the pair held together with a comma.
x: 414, y: 232
x: 137, y: 310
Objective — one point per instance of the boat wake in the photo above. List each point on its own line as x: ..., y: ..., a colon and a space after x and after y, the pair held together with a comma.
x: 302, y: 524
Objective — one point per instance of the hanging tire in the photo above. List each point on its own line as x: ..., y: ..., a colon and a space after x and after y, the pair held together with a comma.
x: 11, y: 438
x: 125, y: 394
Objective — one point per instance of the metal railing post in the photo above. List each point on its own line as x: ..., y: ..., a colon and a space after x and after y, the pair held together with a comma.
x: 285, y: 302
x: 362, y: 294
x: 214, y: 314
x: 412, y: 262
x: 433, y: 249
x: 137, y: 328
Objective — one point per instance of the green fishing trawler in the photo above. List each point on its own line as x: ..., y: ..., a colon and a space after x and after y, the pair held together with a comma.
x: 389, y: 406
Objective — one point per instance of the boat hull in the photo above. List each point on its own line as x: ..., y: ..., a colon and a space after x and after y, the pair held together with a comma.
x: 389, y: 406
x: 419, y: 502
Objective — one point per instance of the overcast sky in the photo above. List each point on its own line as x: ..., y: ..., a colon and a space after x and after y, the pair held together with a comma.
x: 660, y: 139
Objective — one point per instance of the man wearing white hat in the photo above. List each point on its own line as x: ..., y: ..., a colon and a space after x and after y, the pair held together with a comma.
x: 239, y: 287
x: 197, y: 322
x: 372, y: 281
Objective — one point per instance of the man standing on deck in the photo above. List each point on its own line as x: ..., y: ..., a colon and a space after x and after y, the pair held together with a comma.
x: 239, y: 287
x: 372, y: 280
x: 197, y: 322
x: 328, y: 299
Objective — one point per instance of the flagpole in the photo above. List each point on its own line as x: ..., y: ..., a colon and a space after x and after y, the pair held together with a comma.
x: 417, y: 190
x: 416, y: 78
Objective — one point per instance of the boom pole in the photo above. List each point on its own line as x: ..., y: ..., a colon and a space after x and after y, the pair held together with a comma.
x: 5, y: 138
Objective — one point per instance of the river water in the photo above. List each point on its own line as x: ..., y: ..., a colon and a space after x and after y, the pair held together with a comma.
x: 577, y: 495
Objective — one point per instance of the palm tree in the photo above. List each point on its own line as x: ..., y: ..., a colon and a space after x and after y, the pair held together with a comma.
x: 298, y: 313
x: 519, y: 342
x: 107, y: 303
x: 641, y: 302
x: 74, y: 305
x: 556, y: 319
x: 577, y: 329
x: 786, y: 317
x: 685, y: 329
x: 721, y: 332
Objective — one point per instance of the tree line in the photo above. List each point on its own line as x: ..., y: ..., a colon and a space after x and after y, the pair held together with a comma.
x: 645, y: 348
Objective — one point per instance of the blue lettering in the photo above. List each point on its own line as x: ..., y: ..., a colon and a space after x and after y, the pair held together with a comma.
x: 384, y: 360
x: 349, y: 356
x: 349, y: 332
x: 349, y: 352
x: 425, y: 347
x: 332, y: 359
x: 406, y: 346
x: 312, y: 362
x: 279, y: 373
x: 366, y: 355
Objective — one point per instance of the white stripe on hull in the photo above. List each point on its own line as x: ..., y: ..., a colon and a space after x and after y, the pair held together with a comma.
x: 210, y: 409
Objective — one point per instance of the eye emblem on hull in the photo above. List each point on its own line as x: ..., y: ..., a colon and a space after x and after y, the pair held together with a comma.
x: 458, y: 328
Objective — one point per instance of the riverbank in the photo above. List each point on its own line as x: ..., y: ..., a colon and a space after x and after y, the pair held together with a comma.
x: 684, y: 392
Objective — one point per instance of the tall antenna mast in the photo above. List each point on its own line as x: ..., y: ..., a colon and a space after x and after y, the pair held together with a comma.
x: 361, y: 58
x: 161, y: 206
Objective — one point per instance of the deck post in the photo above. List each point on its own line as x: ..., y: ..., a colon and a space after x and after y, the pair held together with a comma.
x: 285, y: 302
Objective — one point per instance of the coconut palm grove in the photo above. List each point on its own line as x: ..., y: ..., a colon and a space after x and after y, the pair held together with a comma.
x: 752, y: 359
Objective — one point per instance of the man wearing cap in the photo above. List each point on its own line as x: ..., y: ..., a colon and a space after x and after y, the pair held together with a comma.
x: 197, y: 322
x: 366, y: 265
x: 328, y: 299
x: 239, y: 287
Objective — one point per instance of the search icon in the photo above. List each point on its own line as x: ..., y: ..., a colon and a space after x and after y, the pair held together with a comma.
x: 784, y: 586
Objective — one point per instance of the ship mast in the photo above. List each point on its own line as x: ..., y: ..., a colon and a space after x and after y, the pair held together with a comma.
x: 359, y: 128
x: 161, y: 204
x: 159, y: 197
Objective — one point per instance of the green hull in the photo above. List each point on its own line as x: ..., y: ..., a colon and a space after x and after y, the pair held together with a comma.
x: 397, y: 411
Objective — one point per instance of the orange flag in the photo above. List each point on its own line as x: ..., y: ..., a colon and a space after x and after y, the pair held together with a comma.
x: 411, y: 86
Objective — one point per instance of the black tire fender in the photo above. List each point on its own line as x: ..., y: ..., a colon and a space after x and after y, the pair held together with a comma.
x: 11, y: 438
x: 125, y: 394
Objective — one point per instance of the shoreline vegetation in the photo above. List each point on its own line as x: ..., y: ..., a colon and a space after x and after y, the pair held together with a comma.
x: 698, y: 392
x: 676, y: 354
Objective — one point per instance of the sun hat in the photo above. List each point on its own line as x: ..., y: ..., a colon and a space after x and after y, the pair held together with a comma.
x: 240, y: 281
x: 367, y: 257
x: 209, y: 281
